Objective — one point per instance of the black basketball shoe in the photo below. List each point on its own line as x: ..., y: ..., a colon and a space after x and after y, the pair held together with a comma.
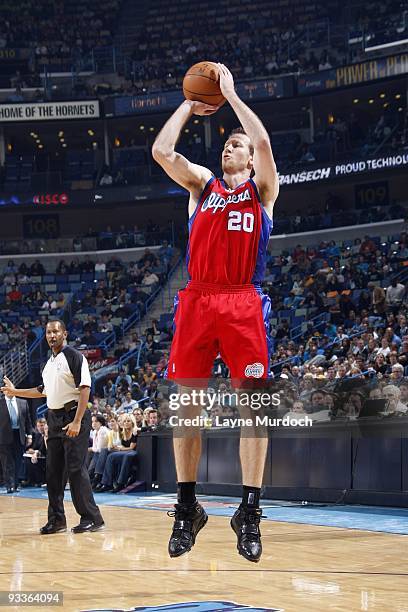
x: 53, y: 526
x: 245, y: 523
x: 188, y: 520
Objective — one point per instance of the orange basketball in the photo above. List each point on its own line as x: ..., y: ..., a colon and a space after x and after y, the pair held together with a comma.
x: 201, y: 84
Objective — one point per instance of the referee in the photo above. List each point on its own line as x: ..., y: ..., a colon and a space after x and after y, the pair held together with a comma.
x: 66, y: 385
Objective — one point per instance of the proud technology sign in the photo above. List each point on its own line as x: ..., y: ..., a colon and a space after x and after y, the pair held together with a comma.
x: 344, y: 169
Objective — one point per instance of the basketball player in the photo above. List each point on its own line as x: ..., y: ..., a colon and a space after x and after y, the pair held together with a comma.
x: 221, y: 310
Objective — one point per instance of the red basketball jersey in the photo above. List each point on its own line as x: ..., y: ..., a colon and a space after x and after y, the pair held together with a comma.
x: 228, y: 235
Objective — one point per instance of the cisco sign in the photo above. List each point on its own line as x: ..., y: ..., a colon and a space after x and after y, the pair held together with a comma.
x: 51, y: 198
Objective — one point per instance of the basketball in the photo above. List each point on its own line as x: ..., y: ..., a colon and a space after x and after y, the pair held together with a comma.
x: 201, y: 84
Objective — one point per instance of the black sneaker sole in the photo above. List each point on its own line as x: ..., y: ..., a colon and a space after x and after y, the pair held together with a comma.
x: 90, y: 530
x: 98, y: 527
x: 201, y: 526
x: 240, y: 552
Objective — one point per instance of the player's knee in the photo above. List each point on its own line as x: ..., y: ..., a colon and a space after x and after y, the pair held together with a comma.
x: 253, y: 406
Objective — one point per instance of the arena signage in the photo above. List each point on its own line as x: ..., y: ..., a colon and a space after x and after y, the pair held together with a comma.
x: 46, y: 111
x: 354, y: 74
x: 51, y: 198
x: 97, y: 364
x: 89, y: 198
x: 334, y: 171
x: 168, y: 100
x: 96, y: 360
x: 12, y: 55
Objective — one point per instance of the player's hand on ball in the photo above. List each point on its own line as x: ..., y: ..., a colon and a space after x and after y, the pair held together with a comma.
x: 202, y: 109
x: 8, y: 388
x: 72, y: 429
x: 226, y: 81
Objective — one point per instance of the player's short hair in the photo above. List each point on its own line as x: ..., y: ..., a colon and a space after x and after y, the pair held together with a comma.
x: 240, y: 130
x: 62, y: 324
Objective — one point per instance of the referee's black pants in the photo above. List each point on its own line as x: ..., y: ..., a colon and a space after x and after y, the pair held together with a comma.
x: 66, y: 459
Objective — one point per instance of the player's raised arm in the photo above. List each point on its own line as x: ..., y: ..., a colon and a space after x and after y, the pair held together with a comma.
x: 190, y: 176
x: 266, y: 176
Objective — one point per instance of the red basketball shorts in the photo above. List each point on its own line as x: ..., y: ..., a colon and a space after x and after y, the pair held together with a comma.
x: 210, y: 319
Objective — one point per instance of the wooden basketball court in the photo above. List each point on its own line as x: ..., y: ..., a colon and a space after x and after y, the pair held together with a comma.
x: 304, y: 568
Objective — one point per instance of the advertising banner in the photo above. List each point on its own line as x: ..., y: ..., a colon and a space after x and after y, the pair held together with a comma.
x: 168, y: 100
x: 95, y: 359
x: 91, y: 198
x: 8, y: 54
x: 47, y: 111
x: 351, y: 168
x: 354, y: 74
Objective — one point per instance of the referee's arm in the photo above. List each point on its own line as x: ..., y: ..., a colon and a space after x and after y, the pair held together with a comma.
x: 82, y: 380
x: 72, y: 429
x: 10, y: 391
x: 84, y: 392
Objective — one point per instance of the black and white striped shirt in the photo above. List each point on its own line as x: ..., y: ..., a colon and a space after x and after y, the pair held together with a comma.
x: 62, y: 377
